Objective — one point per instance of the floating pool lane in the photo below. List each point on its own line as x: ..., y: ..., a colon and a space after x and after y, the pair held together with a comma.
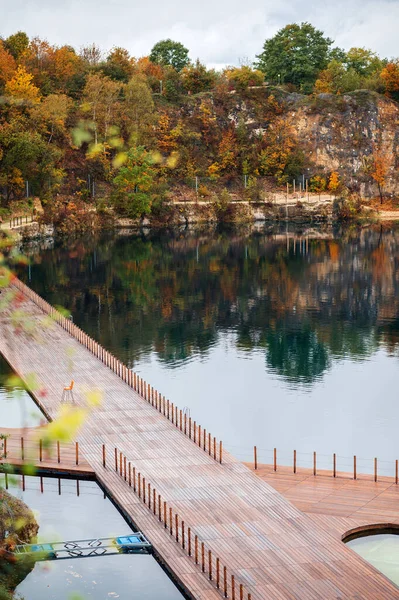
x: 135, y: 543
x: 381, y: 551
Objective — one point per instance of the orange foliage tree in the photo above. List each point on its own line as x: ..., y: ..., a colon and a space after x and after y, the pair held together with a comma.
x: 334, y: 182
x: 390, y: 77
x: 379, y: 169
x: 7, y: 65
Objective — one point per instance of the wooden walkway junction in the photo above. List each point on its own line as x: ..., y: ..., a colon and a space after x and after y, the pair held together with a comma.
x: 340, y: 504
x: 220, y: 530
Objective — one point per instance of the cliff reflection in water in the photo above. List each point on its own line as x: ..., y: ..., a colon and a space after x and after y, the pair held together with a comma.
x: 305, y: 301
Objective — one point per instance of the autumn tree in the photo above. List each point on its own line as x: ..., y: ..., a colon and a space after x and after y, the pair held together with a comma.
x: 20, y: 87
x: 7, y: 65
x: 138, y: 110
x: 91, y: 55
x: 197, y: 78
x: 133, y: 184
x: 363, y: 61
x: 296, y: 54
x: 317, y: 184
x: 379, y: 168
x: 390, y: 77
x: 51, y: 114
x: 99, y: 102
x: 118, y: 65
x: 17, y: 44
x: 334, y: 183
x: 241, y: 78
x: 168, y: 52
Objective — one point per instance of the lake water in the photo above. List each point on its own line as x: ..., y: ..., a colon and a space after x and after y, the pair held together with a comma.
x: 382, y: 551
x: 274, y: 338
x: 17, y: 409
x: 68, y: 516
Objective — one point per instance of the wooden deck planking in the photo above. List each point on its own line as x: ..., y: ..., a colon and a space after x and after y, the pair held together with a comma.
x: 273, y: 548
x: 338, y: 504
x: 49, y: 462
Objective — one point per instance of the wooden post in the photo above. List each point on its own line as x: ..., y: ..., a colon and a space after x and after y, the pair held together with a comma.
x: 196, y: 549
x: 218, y: 573
x: 139, y: 484
x: 294, y: 461
x: 220, y: 451
x: 275, y: 459
x: 154, y: 501
x: 120, y: 463
x: 23, y: 450
x: 354, y: 468
x: 58, y: 453
x: 177, y: 424
x: 204, y: 439
x: 334, y: 465
x: 124, y: 467
x: 210, y: 564
x: 40, y: 450
x: 241, y: 592
x: 396, y: 471
x: 177, y: 527
x: 189, y: 540
x: 195, y: 432
x: 233, y: 588
x: 170, y: 521
x: 144, y: 494
x: 375, y: 469
x: 314, y: 464
x: 77, y: 452
x: 181, y: 420
x: 185, y: 423
x: 173, y: 413
x: 209, y: 444
x: 116, y: 459
x: 165, y: 516
x: 255, y: 458
x: 104, y: 455
x: 168, y: 408
x: 183, y: 537
x: 189, y: 427
x: 203, y: 557
x: 214, y: 448
x: 225, y: 581
x: 199, y: 436
x: 130, y: 474
x: 159, y: 507
x: 134, y: 479
x: 149, y: 495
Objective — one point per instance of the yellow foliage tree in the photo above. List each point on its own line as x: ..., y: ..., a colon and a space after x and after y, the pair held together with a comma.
x: 334, y: 182
x: 21, y: 87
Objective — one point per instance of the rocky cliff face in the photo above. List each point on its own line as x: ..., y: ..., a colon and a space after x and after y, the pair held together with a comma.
x: 338, y: 133
x: 342, y: 132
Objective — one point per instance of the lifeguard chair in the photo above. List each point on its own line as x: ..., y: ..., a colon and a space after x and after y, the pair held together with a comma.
x: 67, y: 393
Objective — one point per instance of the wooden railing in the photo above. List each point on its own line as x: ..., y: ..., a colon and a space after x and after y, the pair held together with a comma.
x: 209, y: 564
x: 168, y: 409
x: 333, y: 470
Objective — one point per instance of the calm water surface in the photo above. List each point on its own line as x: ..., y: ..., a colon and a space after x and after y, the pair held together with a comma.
x: 71, y: 517
x: 286, y: 341
x: 382, y: 551
x: 17, y: 408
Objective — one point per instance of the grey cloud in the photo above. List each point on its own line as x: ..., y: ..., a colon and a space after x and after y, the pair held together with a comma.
x: 218, y: 32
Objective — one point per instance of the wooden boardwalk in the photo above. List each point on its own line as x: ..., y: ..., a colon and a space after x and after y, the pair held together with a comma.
x: 270, y: 547
x: 25, y: 447
x: 339, y: 503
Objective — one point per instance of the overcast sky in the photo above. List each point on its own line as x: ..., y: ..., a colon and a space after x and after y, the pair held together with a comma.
x: 219, y: 32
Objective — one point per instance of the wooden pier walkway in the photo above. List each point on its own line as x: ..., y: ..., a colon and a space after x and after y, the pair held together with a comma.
x: 27, y: 447
x: 233, y: 529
